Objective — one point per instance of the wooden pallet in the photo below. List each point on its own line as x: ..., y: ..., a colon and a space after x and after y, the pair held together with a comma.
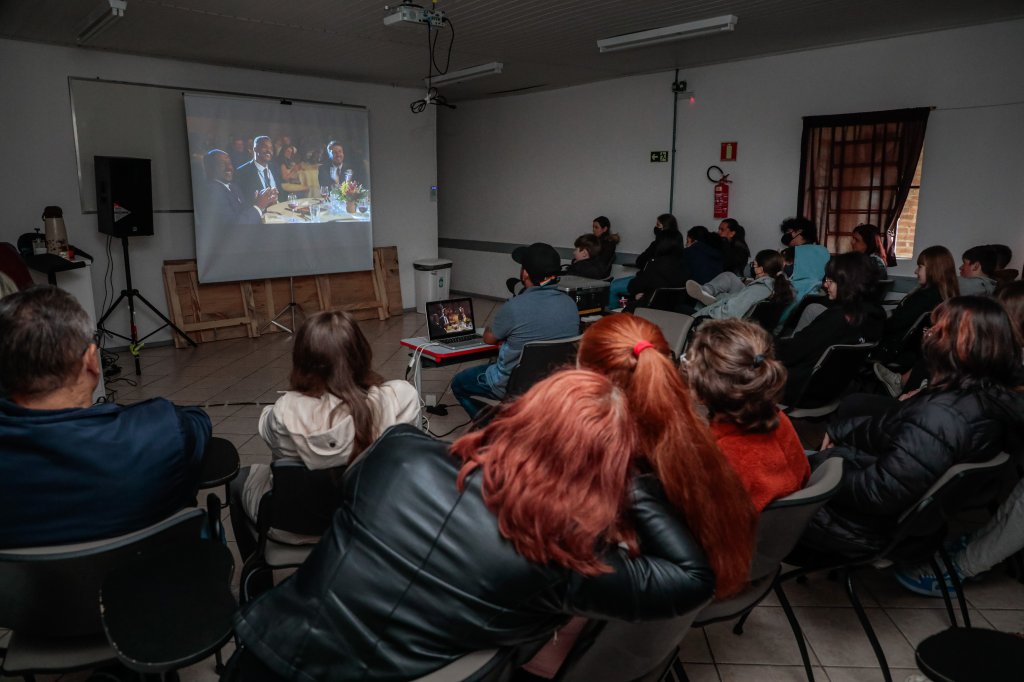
x: 229, y: 310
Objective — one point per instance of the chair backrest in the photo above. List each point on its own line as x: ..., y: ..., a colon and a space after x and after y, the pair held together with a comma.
x: 54, y: 591
x: 796, y: 311
x: 832, y: 373
x: 617, y: 651
x: 883, y: 288
x: 783, y: 521
x: 302, y: 501
x: 538, y: 361
x: 956, y: 488
x: 766, y: 313
x: 674, y: 299
x: 674, y: 326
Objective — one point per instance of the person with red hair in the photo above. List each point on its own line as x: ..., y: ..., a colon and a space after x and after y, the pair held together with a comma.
x: 677, y: 442
x: 490, y: 543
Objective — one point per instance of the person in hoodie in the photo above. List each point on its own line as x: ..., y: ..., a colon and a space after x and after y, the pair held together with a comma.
x: 71, y: 471
x: 336, y: 407
x: 809, y: 259
x: 726, y: 296
x: 702, y: 255
x: 969, y: 411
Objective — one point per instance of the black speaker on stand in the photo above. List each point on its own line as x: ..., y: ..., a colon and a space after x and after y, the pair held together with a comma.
x: 124, y: 208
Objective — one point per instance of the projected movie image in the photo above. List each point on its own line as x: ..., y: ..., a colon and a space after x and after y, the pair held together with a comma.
x: 450, y: 317
x: 278, y: 189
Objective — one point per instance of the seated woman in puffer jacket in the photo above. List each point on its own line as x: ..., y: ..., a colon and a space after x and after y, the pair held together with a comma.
x: 965, y: 414
x: 492, y: 542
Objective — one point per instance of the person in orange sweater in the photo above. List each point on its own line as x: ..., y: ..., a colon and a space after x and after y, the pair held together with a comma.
x: 732, y: 371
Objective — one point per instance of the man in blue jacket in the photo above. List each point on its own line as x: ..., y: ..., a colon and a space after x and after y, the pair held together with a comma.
x: 71, y: 471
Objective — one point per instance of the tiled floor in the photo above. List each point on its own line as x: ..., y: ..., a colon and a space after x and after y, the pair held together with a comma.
x: 235, y: 379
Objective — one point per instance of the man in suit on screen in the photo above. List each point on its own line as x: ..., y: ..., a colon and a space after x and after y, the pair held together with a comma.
x: 223, y: 203
x: 256, y: 175
x: 333, y: 172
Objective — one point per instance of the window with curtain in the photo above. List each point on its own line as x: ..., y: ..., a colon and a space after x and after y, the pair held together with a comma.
x: 860, y: 168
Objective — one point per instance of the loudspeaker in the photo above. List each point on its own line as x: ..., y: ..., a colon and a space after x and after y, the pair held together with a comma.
x: 124, y: 196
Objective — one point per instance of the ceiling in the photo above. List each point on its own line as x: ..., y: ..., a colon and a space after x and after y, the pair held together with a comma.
x: 543, y: 44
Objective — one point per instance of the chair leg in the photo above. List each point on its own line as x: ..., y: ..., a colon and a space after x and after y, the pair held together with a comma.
x: 738, y: 628
x: 937, y: 570
x: 678, y: 670
x: 957, y: 585
x: 797, y: 632
x: 218, y: 666
x: 851, y: 592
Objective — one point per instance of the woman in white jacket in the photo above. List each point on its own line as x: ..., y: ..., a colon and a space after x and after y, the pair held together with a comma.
x: 727, y: 297
x: 335, y: 408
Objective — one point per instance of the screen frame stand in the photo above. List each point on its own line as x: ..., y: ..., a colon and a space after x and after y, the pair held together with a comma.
x: 291, y: 307
x: 129, y: 292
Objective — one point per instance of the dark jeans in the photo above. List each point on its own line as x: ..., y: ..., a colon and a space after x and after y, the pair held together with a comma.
x: 865, y: 405
x: 469, y: 382
x: 240, y: 523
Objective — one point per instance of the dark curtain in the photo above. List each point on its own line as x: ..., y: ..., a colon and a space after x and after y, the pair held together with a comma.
x: 858, y: 168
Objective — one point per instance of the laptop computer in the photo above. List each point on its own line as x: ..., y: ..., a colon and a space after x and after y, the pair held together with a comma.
x: 451, y: 324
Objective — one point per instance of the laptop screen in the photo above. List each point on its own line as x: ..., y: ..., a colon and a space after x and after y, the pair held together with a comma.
x: 453, y: 317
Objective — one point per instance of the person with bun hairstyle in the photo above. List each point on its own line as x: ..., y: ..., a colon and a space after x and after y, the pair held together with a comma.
x: 698, y: 480
x: 492, y: 542
x: 733, y: 372
x: 726, y: 296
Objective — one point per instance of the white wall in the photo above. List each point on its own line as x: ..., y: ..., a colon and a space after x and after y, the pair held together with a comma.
x: 541, y: 166
x: 40, y: 167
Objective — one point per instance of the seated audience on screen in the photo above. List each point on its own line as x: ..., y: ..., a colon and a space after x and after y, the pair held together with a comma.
x: 491, y: 542
x: 727, y: 296
x: 609, y: 240
x: 335, y: 407
x: 238, y: 151
x: 894, y: 455
x: 586, y: 259
x: 257, y: 174
x: 540, y: 313
x: 977, y: 271
x: 1003, y: 535
x: 732, y: 371
x: 676, y: 441
x: 332, y: 173
x: 71, y: 471
x: 288, y: 166
x: 850, y: 282
x: 222, y: 203
x: 734, y: 247
x: 867, y: 239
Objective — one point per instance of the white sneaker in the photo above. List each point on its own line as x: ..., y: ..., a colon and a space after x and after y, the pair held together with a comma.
x: 892, y: 381
x: 695, y: 291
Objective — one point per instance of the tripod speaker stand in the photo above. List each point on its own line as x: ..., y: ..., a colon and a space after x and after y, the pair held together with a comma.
x: 131, y: 294
x: 291, y: 307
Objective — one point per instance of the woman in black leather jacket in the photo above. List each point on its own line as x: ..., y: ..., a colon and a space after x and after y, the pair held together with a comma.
x: 494, y: 543
x: 965, y: 414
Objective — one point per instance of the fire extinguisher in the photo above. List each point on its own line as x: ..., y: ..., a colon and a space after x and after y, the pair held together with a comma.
x: 721, y: 191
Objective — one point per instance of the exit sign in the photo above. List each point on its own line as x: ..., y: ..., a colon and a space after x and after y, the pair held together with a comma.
x: 659, y: 157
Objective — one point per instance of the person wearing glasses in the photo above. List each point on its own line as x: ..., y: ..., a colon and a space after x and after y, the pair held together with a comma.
x: 726, y: 296
x: 72, y: 471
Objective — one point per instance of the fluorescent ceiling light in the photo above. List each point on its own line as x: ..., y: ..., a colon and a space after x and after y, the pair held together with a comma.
x: 467, y: 74
x: 111, y: 11
x: 665, y: 34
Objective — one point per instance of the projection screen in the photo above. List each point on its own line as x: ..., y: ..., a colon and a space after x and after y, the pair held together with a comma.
x: 279, y: 189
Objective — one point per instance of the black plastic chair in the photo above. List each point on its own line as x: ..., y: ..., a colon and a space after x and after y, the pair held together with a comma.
x: 302, y: 502
x: 909, y: 344
x: 49, y: 596
x: 168, y: 610
x: 837, y: 367
x: 778, y: 530
x: 794, y: 316
x: 220, y: 465
x: 539, y: 360
x: 919, y: 534
x: 767, y: 314
x: 675, y: 327
x: 970, y: 654
x: 673, y: 299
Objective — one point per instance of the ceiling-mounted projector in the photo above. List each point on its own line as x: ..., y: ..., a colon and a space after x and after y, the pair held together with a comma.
x: 411, y: 14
